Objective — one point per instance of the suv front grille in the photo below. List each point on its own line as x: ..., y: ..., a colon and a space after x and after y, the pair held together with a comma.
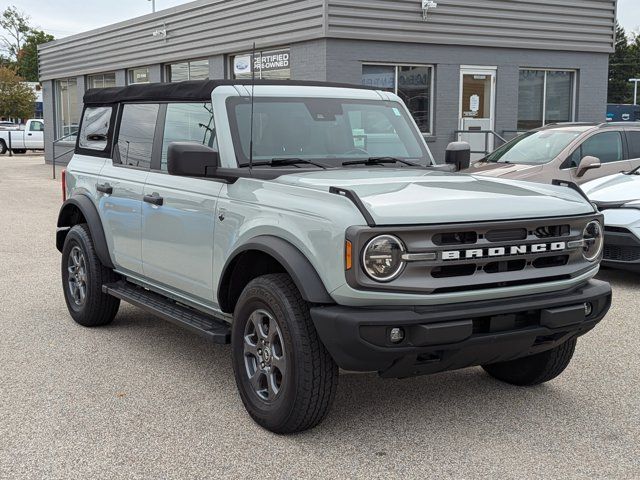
x: 479, y: 256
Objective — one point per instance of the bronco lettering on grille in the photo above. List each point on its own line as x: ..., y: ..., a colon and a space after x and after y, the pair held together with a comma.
x: 494, y: 252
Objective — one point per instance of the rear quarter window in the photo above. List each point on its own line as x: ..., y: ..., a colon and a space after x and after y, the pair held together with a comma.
x: 96, y: 129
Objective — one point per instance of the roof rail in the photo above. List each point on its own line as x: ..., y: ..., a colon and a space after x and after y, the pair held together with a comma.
x: 619, y: 124
x: 568, y: 124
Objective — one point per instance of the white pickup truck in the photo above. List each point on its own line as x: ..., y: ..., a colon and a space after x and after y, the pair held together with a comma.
x: 31, y: 138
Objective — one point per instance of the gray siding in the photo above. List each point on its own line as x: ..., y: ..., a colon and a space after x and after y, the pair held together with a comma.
x: 195, y: 30
x: 573, y: 25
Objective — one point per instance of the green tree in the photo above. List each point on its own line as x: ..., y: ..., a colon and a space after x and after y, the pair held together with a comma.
x: 17, y: 99
x: 621, y: 69
x: 16, y: 28
x: 28, y: 56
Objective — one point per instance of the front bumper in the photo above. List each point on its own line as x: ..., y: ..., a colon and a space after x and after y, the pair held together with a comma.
x: 621, y: 249
x: 449, y: 337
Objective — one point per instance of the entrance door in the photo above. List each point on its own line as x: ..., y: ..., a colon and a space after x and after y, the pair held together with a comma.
x: 477, y: 107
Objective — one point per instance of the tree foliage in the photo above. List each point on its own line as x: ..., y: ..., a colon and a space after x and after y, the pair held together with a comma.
x: 624, y: 64
x: 17, y: 99
x: 27, y: 65
x: 19, y: 43
x: 16, y: 27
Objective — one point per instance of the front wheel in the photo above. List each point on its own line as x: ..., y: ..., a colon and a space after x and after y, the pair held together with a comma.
x: 3, y: 147
x: 535, y: 369
x: 286, y: 378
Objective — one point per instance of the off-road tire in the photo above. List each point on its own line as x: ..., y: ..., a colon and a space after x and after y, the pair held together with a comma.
x: 535, y: 369
x: 98, y: 308
x: 3, y: 147
x: 310, y: 383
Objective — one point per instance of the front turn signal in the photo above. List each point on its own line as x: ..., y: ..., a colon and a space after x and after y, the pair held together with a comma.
x: 348, y: 258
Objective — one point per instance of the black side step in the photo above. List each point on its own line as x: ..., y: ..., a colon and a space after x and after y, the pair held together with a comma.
x: 215, y: 329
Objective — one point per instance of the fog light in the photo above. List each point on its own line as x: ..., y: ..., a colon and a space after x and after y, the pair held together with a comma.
x: 588, y: 309
x: 396, y: 335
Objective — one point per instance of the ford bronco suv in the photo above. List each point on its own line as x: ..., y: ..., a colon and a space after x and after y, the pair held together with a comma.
x: 308, y: 226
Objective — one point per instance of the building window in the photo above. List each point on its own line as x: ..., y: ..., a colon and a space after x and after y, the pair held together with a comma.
x: 67, y: 107
x: 545, y: 96
x: 413, y: 84
x: 269, y: 64
x: 102, y: 80
x: 194, y: 70
x: 139, y: 75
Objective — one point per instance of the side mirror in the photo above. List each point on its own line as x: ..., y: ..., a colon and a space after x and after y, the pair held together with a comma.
x: 458, y: 154
x: 187, y: 159
x: 586, y: 164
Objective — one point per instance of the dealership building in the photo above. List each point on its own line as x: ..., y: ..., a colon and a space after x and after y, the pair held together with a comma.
x: 470, y: 66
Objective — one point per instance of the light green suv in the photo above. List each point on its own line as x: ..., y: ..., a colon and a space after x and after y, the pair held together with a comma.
x: 308, y: 225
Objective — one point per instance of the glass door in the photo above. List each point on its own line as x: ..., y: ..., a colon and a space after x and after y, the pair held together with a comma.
x: 477, y: 108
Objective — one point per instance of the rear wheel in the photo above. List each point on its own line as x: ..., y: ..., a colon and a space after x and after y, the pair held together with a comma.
x: 286, y: 378
x: 3, y: 147
x: 82, y: 278
x: 535, y: 369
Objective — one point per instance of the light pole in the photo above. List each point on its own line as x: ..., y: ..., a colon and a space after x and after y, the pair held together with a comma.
x: 635, y: 89
x: 153, y: 5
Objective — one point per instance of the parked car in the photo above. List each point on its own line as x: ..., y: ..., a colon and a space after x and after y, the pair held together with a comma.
x: 279, y: 222
x: 31, y: 138
x: 572, y: 152
x: 618, y: 197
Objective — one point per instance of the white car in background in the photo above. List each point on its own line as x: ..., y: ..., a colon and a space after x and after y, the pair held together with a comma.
x: 618, y: 198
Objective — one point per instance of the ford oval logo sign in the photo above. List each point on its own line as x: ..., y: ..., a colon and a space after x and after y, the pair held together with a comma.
x: 242, y: 66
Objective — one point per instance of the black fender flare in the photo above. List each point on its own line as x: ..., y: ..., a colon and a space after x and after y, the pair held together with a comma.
x: 67, y: 219
x: 303, y: 274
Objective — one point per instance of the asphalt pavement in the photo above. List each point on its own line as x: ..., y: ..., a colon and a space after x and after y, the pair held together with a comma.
x: 144, y: 399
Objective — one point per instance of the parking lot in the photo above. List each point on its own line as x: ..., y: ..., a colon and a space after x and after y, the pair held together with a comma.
x: 144, y: 399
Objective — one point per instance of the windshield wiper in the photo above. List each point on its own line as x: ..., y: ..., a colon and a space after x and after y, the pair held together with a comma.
x: 285, y: 162
x: 381, y: 161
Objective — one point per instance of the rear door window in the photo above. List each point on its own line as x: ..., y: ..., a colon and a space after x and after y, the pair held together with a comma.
x: 136, y: 134
x: 94, y: 133
x: 188, y: 122
x: 633, y: 139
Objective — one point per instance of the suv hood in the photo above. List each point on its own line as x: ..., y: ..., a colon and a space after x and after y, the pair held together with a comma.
x: 405, y: 196
x: 507, y: 170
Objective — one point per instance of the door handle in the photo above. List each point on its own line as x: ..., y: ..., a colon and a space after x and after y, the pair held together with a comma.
x: 29, y: 134
x: 104, y: 188
x: 154, y: 199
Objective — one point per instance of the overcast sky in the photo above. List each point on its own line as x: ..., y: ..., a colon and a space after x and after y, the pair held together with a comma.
x: 66, y: 17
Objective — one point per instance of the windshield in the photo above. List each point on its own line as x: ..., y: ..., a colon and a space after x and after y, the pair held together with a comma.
x: 326, y: 131
x: 534, y: 148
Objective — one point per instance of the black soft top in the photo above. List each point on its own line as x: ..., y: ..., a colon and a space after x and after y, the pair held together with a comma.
x: 198, y: 90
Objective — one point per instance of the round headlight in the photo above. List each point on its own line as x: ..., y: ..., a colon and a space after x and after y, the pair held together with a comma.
x: 593, y: 241
x: 382, y: 258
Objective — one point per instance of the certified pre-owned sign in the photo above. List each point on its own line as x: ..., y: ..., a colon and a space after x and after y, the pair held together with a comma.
x: 268, y: 61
